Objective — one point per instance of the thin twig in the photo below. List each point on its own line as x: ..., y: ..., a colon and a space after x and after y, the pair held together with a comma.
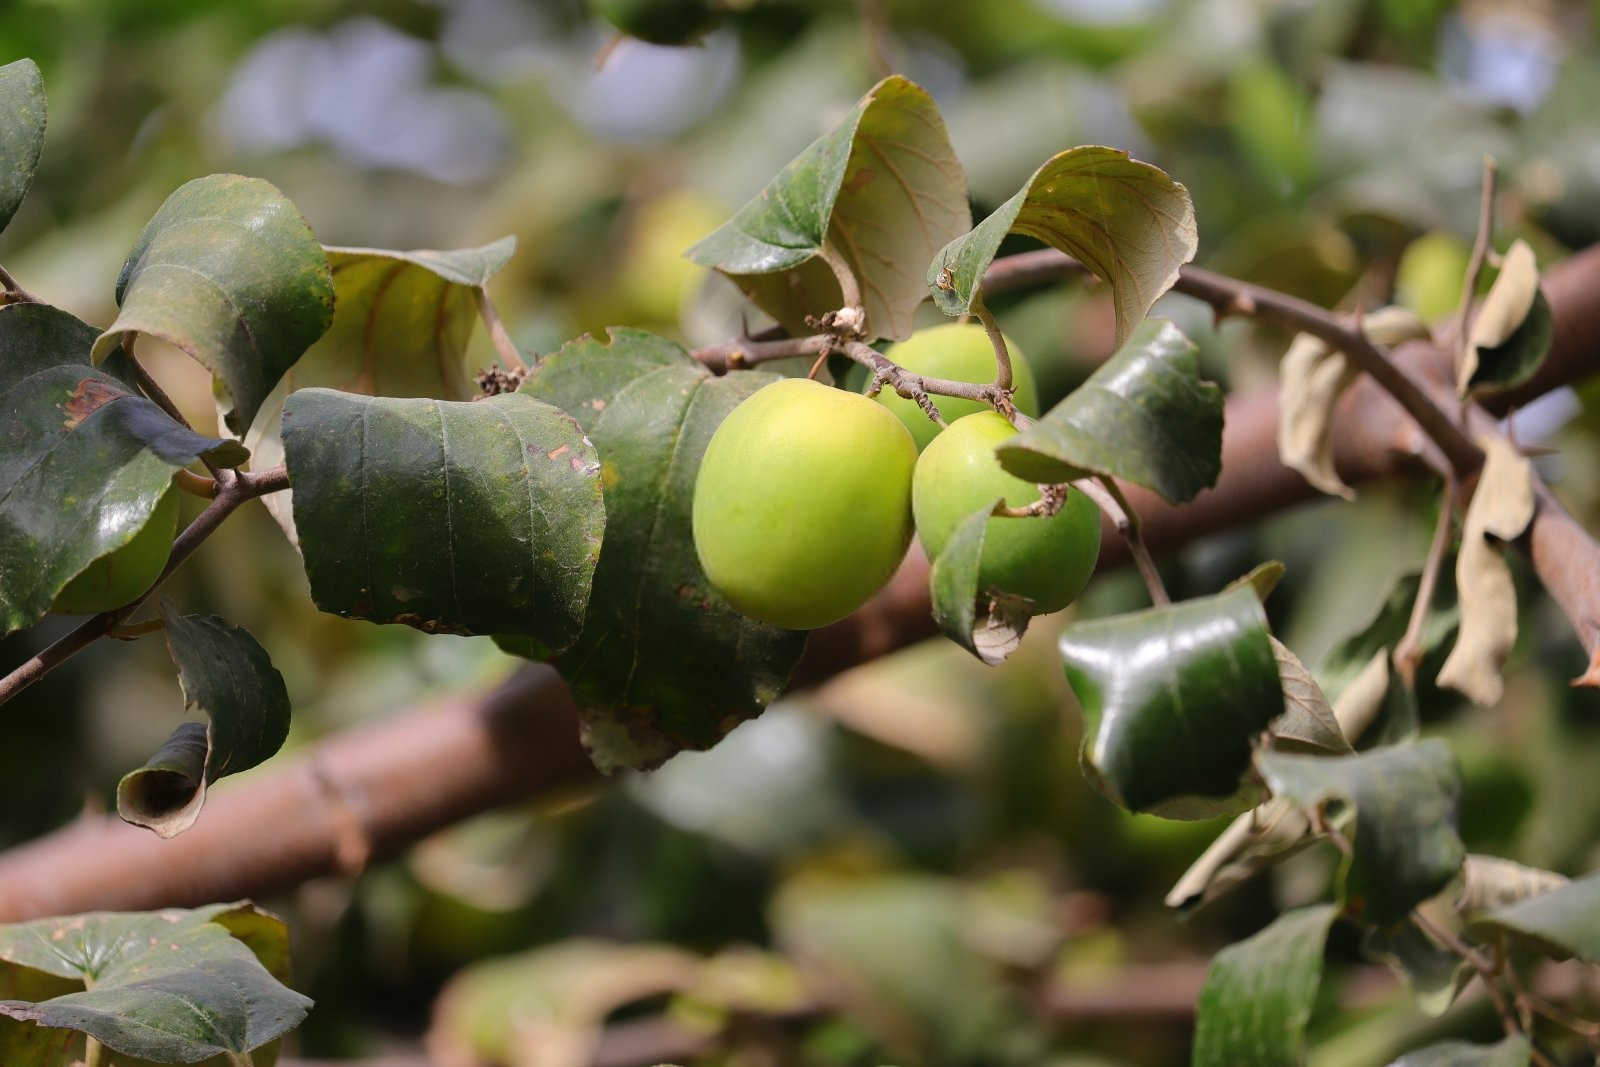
x: 232, y: 492
x: 748, y: 352
x: 1230, y: 296
x: 14, y: 293
x: 497, y: 331
x: 1488, y: 974
x: 916, y: 386
x: 1002, y: 355
x: 153, y: 390
x: 1475, y: 262
x: 849, y: 287
x: 1408, y: 652
x: 1108, y: 496
x: 875, y: 26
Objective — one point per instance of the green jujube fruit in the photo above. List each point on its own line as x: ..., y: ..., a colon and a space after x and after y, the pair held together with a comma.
x: 1045, y: 559
x: 115, y: 579
x: 960, y: 351
x: 802, y: 505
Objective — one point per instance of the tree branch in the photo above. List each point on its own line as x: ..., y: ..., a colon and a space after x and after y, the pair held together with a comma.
x: 1231, y: 296
x: 415, y: 773
x: 242, y: 486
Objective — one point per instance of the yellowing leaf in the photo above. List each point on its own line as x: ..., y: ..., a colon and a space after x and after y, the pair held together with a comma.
x: 1502, y: 507
x: 1492, y: 882
x: 1509, y: 301
x: 1363, y: 698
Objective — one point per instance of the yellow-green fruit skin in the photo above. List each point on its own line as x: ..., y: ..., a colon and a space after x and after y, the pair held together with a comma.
x: 1048, y: 560
x: 961, y: 351
x: 112, y: 581
x: 802, y: 506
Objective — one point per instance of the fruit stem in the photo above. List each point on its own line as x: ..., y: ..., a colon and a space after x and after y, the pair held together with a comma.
x: 849, y: 288
x: 1106, y: 493
x: 1002, y: 355
x: 497, y: 331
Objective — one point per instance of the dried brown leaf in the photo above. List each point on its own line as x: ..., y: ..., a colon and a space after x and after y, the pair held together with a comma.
x: 1503, y: 310
x: 1307, y: 720
x: 1502, y: 507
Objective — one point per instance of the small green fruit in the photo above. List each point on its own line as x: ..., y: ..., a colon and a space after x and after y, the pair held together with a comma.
x: 1430, y: 275
x: 113, y: 580
x: 802, y: 506
x: 1047, y: 560
x: 669, y: 22
x: 961, y: 351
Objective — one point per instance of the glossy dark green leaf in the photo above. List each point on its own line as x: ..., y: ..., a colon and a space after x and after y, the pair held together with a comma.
x: 884, y: 191
x: 1395, y: 806
x: 22, y: 117
x: 664, y: 662
x: 226, y: 676
x: 167, y: 986
x: 1514, y: 1051
x: 1564, y: 922
x: 230, y: 273
x: 1259, y: 993
x: 1145, y: 416
x: 1513, y: 361
x: 86, y: 460
x: 1172, y: 699
x: 985, y: 624
x: 401, y: 325
x: 468, y: 518
x: 1127, y: 221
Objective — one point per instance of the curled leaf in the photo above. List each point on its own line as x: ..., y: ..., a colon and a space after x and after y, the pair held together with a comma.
x: 1493, y: 882
x: 985, y: 624
x: 1130, y: 223
x: 1502, y: 507
x: 226, y: 675
x: 1307, y: 721
x: 1508, y: 305
x: 1312, y: 377
x: 882, y: 191
x: 1252, y: 842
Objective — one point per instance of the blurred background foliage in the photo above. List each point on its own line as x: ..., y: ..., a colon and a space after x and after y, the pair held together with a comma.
x: 905, y: 865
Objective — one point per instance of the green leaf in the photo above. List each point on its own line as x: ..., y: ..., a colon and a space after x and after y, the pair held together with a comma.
x: 226, y: 675
x: 664, y: 663
x: 1127, y: 221
x: 883, y: 191
x: 86, y: 463
x: 985, y: 624
x: 1145, y: 416
x: 229, y: 272
x: 1514, y: 1051
x: 1172, y: 698
x: 22, y: 115
x: 1395, y: 806
x: 466, y: 518
x: 1259, y: 993
x: 168, y: 986
x: 401, y: 325
x: 1563, y: 923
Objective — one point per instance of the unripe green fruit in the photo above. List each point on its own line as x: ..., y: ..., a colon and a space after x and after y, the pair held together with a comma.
x: 114, y: 580
x: 802, y: 507
x: 960, y: 351
x: 1046, y: 559
x: 1430, y: 275
x: 669, y: 22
